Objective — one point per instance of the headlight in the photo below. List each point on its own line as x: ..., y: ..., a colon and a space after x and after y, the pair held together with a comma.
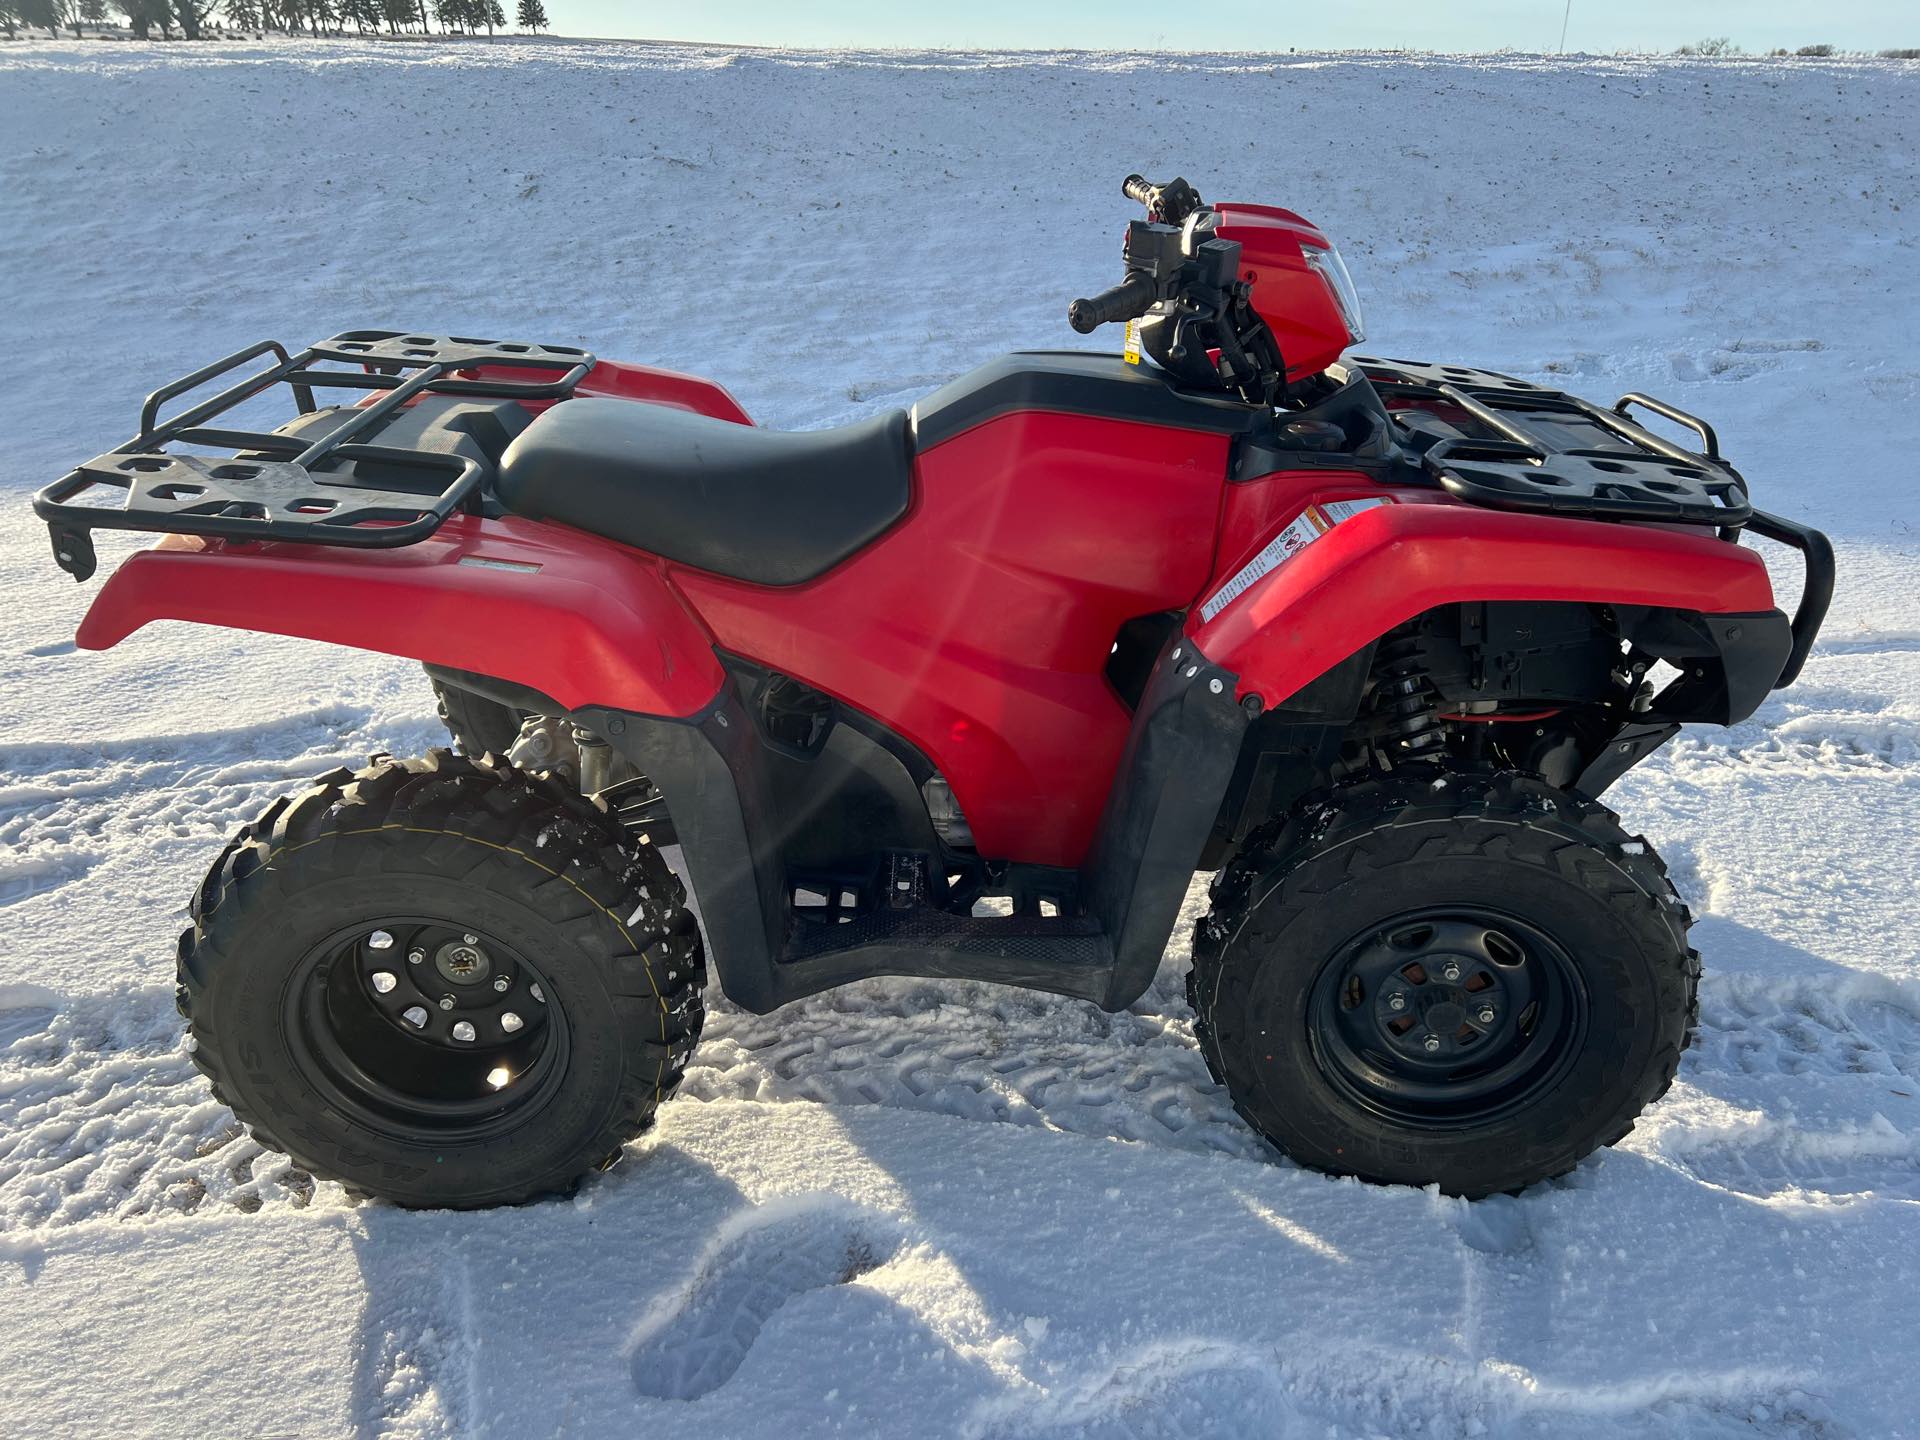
x: 1328, y: 265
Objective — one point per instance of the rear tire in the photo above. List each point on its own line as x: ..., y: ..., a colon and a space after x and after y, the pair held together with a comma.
x: 1473, y: 984
x: 442, y: 981
x: 479, y: 726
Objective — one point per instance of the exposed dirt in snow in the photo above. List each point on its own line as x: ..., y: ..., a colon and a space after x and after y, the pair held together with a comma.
x: 901, y: 1209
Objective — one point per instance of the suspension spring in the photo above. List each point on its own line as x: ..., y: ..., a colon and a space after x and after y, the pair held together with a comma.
x: 1413, y: 726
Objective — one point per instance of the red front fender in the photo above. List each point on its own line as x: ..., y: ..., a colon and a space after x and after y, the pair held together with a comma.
x: 574, y: 617
x: 1386, y: 565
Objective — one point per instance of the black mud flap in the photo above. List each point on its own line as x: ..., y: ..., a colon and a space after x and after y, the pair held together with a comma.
x: 1165, y: 798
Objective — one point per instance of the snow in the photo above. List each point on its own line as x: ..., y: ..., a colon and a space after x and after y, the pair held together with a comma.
x: 916, y: 1208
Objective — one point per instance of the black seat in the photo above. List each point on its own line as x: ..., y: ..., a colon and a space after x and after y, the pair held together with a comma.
x: 773, y: 507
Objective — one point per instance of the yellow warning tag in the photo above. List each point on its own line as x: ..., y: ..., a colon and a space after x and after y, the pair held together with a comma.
x: 1133, y: 342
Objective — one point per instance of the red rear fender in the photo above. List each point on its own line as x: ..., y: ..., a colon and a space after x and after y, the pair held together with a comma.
x: 1386, y: 565
x: 561, y: 612
x: 626, y: 381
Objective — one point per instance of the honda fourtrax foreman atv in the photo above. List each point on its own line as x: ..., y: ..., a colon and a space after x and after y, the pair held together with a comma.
x: 968, y: 692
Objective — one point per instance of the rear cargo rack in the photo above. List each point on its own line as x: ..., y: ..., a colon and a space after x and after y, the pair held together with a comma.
x: 279, y: 486
x: 1548, y: 451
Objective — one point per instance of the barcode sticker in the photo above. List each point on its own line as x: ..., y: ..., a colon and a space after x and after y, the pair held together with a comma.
x: 1313, y: 522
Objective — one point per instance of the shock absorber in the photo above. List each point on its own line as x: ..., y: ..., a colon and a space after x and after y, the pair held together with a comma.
x: 1413, y: 728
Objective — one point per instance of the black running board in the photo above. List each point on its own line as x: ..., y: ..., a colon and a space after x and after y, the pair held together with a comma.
x: 1058, y: 954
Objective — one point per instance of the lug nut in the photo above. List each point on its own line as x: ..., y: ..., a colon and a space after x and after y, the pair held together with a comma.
x: 501, y: 984
x: 537, y: 993
x: 446, y: 1002
x: 1431, y: 1043
x: 471, y: 939
x: 415, y: 957
x: 511, y: 1022
x: 416, y: 1016
x: 383, y: 981
x: 379, y: 940
x: 1486, y: 1015
x: 1396, y: 1002
x: 1450, y: 971
x: 462, y: 1030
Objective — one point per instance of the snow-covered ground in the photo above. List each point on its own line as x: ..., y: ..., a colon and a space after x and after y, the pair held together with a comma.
x: 916, y: 1209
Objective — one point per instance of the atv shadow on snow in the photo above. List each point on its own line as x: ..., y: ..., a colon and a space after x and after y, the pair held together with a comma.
x: 935, y: 1307
x: 661, y: 1276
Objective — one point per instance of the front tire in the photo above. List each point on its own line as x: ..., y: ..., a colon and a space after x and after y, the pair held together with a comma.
x: 1472, y: 984
x: 442, y: 981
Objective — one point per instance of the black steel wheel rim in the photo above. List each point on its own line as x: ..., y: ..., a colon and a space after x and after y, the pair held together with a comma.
x: 1447, y: 1017
x: 417, y: 1026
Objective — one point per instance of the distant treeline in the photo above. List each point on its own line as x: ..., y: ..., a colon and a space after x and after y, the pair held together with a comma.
x: 194, y: 19
x: 1721, y: 47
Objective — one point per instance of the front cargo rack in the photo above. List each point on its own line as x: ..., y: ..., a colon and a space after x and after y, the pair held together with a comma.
x: 316, y: 487
x: 1547, y: 451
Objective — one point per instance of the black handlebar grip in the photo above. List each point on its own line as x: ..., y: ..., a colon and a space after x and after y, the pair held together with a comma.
x: 1132, y: 297
x: 1137, y: 187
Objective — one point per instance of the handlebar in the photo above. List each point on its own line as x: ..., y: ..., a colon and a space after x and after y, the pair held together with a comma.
x: 1168, y: 201
x: 1128, y: 300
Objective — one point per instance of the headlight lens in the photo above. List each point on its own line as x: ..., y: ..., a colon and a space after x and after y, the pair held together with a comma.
x: 1328, y: 265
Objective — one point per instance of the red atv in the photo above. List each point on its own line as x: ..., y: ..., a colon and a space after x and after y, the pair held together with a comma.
x: 967, y: 692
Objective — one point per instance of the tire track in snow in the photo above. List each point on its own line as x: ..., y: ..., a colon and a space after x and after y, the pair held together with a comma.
x: 47, y: 869
x: 1835, y: 1111
x: 102, y: 1115
x: 65, y: 808
x: 1872, y: 744
x: 982, y: 1054
x: 1802, y: 1027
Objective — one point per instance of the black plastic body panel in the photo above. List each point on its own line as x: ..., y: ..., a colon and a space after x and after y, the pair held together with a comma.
x: 1075, y: 382
x: 477, y: 430
x: 750, y: 817
x: 1166, y: 793
x: 1728, y: 662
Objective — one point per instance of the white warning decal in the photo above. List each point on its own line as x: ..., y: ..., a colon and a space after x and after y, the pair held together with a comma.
x: 1312, y: 523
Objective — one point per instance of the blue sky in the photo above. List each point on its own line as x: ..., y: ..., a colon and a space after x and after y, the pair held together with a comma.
x: 1596, y: 25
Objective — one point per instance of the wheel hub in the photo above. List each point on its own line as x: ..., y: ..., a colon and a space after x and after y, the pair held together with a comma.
x: 1446, y: 1016
x: 462, y: 961
x: 427, y: 1023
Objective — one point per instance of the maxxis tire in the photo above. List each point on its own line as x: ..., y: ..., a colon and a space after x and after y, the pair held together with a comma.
x: 1307, y: 886
x: 479, y: 726
x: 511, y: 853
